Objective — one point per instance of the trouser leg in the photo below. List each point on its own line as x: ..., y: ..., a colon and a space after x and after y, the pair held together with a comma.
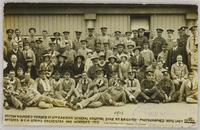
x: 54, y: 102
x: 16, y: 102
x: 87, y: 101
x: 95, y: 104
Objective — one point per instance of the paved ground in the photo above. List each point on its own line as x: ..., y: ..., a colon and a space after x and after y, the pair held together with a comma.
x: 166, y: 115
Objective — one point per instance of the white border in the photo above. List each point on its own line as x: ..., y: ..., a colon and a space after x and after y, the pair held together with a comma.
x: 184, y: 2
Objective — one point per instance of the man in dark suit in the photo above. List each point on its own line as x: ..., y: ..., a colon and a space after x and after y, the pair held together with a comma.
x: 12, y: 65
x: 15, y: 51
x: 172, y: 54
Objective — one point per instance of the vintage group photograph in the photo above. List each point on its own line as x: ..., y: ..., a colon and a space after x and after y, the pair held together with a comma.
x: 121, y: 62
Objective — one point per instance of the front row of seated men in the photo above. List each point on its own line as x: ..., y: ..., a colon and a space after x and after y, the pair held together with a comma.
x: 63, y: 91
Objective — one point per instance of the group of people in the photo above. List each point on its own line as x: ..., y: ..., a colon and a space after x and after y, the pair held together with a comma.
x: 100, y: 69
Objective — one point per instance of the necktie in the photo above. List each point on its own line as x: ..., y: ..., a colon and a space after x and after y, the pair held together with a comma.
x: 192, y: 86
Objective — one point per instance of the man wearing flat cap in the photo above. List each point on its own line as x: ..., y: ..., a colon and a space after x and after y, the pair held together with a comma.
x: 182, y: 42
x: 192, y: 49
x: 141, y: 38
x: 83, y: 50
x: 104, y: 37
x: 91, y: 39
x: 147, y: 54
x: 135, y: 35
x: 120, y: 51
x: 77, y: 41
x: 158, y: 42
x: 170, y: 38
x: 8, y: 42
x: 166, y: 89
x: 162, y: 56
x: 32, y: 38
x: 66, y: 39
x: 92, y: 70
x: 17, y: 35
x: 127, y: 40
x: 45, y: 40
x: 116, y: 39
x: 57, y: 41
x: 28, y: 52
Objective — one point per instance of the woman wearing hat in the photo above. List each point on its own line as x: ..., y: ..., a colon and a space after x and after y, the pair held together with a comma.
x: 78, y: 67
x: 62, y: 66
x: 120, y: 51
x: 32, y: 38
x: 47, y: 65
x: 124, y: 67
x: 57, y: 41
x: 28, y: 52
x: 112, y: 66
x: 30, y: 68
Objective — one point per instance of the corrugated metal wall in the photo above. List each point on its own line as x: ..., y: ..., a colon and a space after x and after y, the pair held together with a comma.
x: 113, y: 22
x: 51, y: 23
x: 166, y: 22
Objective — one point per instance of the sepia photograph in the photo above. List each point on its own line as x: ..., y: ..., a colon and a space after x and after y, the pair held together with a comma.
x: 110, y: 65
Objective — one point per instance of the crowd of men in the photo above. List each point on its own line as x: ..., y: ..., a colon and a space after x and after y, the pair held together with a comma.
x: 99, y: 70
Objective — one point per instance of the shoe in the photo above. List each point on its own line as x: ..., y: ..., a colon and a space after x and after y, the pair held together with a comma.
x: 156, y: 101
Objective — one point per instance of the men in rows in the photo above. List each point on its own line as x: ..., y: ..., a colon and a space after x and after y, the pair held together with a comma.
x: 115, y: 95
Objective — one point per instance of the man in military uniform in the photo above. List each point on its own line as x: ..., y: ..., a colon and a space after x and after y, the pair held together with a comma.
x: 116, y: 40
x: 83, y: 85
x: 162, y: 56
x: 158, y: 42
x: 91, y: 39
x: 135, y: 35
x: 141, y: 38
x: 45, y: 40
x: 147, y: 54
x: 179, y: 72
x: 28, y: 52
x: 83, y: 49
x: 99, y: 84
x: 189, y: 88
x: 67, y: 88
x: 127, y: 40
x: 70, y: 53
x: 104, y: 37
x: 170, y: 38
x: 149, y: 90
x: 66, y: 39
x: 182, y: 42
x: 92, y: 70
x: 40, y: 51
x: 115, y: 96
x: 192, y: 50
x: 18, y: 37
x: 77, y: 41
x: 167, y: 89
x: 8, y: 42
x: 133, y: 89
x: 57, y: 41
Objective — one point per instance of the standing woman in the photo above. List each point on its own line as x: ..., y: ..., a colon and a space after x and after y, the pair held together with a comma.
x: 124, y: 67
x: 78, y: 67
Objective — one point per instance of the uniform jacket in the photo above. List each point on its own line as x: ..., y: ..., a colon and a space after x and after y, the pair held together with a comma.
x: 137, y: 62
x: 179, y: 71
x: 171, y: 57
x: 158, y: 42
x: 166, y: 86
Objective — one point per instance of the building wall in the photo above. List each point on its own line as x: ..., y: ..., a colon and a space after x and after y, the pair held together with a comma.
x: 51, y: 23
x: 166, y: 21
x: 73, y: 22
